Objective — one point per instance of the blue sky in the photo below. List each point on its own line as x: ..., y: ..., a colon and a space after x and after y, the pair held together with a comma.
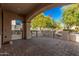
x: 56, y: 13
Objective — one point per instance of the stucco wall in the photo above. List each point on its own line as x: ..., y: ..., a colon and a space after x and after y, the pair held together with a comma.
x: 7, y: 17
x: 0, y: 26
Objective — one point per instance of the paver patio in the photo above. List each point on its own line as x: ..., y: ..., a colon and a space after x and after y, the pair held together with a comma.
x: 41, y: 46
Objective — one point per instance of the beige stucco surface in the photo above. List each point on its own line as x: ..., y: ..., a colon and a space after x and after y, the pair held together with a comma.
x: 7, y: 17
x: 0, y: 27
x: 28, y: 32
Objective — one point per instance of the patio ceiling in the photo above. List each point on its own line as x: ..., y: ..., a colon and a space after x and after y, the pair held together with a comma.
x: 25, y: 8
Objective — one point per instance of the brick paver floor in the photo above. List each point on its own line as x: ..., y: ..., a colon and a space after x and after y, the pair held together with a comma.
x: 41, y: 47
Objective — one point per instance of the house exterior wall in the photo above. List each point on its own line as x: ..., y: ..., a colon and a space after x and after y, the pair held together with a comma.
x: 0, y: 27
x: 7, y: 17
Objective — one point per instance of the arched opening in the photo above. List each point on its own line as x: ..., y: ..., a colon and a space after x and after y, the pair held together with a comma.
x: 48, y: 29
x: 59, y: 14
x: 34, y: 14
x: 16, y: 28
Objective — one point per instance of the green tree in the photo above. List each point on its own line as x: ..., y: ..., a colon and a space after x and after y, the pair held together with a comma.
x: 57, y: 25
x: 38, y: 21
x: 49, y: 22
x: 71, y: 15
x: 42, y: 21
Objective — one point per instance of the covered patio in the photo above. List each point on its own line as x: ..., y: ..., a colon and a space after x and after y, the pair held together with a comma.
x: 28, y: 45
x: 24, y: 12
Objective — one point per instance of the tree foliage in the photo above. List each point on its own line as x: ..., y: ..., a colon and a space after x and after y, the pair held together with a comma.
x: 71, y: 15
x: 49, y: 22
x: 57, y: 25
x: 41, y: 21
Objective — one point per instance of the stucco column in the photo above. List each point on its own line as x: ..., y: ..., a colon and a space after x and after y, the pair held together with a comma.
x: 24, y: 29
x: 28, y: 32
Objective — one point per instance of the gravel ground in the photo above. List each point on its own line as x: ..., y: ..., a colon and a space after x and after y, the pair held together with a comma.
x: 41, y: 46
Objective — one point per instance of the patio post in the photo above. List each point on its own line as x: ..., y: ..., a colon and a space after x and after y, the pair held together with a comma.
x: 28, y: 31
